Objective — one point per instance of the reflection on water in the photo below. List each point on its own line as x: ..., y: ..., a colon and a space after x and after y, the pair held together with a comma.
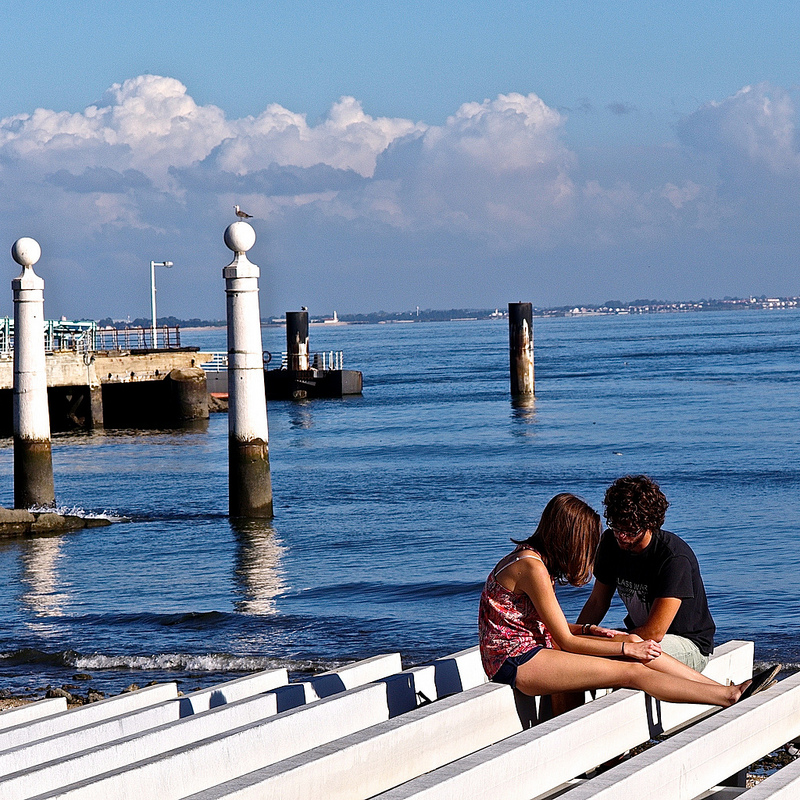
x: 523, y: 409
x: 300, y: 415
x: 258, y: 573
x: 40, y: 577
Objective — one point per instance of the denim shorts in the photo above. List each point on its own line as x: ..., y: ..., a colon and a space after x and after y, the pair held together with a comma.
x: 508, y: 671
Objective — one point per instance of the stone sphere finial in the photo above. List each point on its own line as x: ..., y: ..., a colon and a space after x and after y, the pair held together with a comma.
x: 239, y: 237
x: 26, y: 251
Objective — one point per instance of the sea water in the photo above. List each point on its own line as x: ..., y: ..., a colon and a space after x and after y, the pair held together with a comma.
x: 391, y: 507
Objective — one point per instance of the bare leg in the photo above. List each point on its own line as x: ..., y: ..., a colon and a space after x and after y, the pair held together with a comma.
x: 667, y: 664
x: 552, y: 671
x: 671, y: 666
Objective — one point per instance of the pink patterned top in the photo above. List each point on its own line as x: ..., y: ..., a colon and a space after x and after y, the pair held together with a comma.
x: 508, y: 624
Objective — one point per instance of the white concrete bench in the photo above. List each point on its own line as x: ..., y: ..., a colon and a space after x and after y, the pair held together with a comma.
x: 230, y: 691
x: 375, y: 760
x: 693, y: 761
x: 84, y: 716
x: 179, y: 741
x: 22, y: 715
x: 113, y: 743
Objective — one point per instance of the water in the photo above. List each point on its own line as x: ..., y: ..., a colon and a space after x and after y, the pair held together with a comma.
x: 391, y: 508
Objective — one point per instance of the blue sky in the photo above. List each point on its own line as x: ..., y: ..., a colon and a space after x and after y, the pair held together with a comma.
x: 393, y: 155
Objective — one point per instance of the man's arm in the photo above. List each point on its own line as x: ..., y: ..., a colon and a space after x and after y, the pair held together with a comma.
x: 662, y: 613
x: 598, y: 604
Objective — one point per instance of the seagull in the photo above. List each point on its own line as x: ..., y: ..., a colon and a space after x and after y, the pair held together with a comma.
x: 242, y: 214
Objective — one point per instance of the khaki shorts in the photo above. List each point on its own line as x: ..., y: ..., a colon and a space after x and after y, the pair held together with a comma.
x: 685, y: 651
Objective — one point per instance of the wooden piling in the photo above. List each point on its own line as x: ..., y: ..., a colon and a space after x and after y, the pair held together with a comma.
x: 520, y: 336
x: 297, y: 340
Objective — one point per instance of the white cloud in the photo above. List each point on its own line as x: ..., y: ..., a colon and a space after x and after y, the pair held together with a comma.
x: 147, y: 165
x: 756, y: 125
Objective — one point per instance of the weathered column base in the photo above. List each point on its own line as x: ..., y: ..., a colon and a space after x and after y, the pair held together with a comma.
x: 95, y: 408
x: 189, y: 393
x: 33, y: 474
x: 249, y: 481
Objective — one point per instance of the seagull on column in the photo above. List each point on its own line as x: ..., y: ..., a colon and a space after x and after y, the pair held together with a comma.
x: 242, y: 214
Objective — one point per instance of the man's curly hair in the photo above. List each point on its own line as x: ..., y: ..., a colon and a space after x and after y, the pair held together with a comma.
x: 635, y: 503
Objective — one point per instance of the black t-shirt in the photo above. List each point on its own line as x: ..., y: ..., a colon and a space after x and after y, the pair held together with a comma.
x: 667, y: 567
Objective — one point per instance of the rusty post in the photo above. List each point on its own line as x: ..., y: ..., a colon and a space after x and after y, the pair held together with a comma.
x: 297, y: 340
x: 520, y: 338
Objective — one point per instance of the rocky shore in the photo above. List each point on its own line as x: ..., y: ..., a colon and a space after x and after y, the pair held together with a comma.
x: 16, y: 521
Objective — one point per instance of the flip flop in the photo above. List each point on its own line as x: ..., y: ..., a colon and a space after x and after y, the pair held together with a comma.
x: 762, y: 680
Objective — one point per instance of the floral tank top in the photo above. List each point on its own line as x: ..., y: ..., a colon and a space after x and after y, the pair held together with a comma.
x: 508, y: 624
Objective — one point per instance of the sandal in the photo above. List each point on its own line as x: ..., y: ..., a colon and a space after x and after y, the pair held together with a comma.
x: 762, y: 680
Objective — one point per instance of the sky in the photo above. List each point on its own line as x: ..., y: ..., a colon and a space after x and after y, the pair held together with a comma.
x: 431, y: 154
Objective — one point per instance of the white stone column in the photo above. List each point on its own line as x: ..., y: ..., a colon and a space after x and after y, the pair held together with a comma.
x: 249, y: 482
x: 33, y: 461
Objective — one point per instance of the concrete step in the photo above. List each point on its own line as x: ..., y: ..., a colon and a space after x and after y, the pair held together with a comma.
x: 543, y: 758
x: 230, y: 691
x: 371, y: 760
x: 157, y: 751
x: 693, y: 761
x: 84, y: 716
x: 114, y: 743
x: 23, y: 715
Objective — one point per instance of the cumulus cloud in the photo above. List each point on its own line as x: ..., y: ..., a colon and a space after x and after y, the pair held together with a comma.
x: 147, y: 166
x: 756, y: 126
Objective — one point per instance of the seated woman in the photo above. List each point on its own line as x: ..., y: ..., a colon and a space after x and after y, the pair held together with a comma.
x: 526, y: 641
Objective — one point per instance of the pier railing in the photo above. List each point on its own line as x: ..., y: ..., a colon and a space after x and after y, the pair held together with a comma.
x: 333, y: 359
x: 84, y: 336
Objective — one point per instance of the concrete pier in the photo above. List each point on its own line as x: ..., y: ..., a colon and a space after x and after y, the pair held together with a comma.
x: 33, y: 461
x: 520, y: 338
x: 297, y: 340
x: 249, y: 482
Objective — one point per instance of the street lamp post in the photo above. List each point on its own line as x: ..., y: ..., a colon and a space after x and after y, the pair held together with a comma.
x: 153, y: 265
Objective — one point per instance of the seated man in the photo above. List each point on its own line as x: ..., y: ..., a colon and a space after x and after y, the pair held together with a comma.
x: 655, y: 573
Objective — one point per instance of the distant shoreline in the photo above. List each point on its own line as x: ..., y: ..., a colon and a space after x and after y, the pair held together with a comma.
x: 610, y: 309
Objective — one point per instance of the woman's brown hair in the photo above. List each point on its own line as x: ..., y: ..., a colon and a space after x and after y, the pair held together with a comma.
x: 566, y: 538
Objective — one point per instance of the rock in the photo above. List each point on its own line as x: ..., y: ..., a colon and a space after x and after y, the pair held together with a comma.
x: 15, y: 520
x: 132, y: 688
x: 96, y: 522
x: 81, y: 676
x: 15, y: 516
x: 48, y: 522
x: 55, y: 691
x: 93, y: 695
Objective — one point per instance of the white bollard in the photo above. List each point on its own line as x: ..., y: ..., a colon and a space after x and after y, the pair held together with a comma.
x: 33, y: 460
x: 249, y: 482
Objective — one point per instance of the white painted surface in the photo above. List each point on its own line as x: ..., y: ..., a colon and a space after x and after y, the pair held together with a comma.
x: 697, y: 759
x: 87, y: 715
x: 66, y: 744
x: 231, y: 691
x: 369, y: 761
x: 550, y: 754
x: 189, y: 768
x: 32, y: 711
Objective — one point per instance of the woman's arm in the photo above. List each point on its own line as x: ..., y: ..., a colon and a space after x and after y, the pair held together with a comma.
x: 533, y: 578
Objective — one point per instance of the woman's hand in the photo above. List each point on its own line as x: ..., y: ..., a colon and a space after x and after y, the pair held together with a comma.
x: 643, y: 651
